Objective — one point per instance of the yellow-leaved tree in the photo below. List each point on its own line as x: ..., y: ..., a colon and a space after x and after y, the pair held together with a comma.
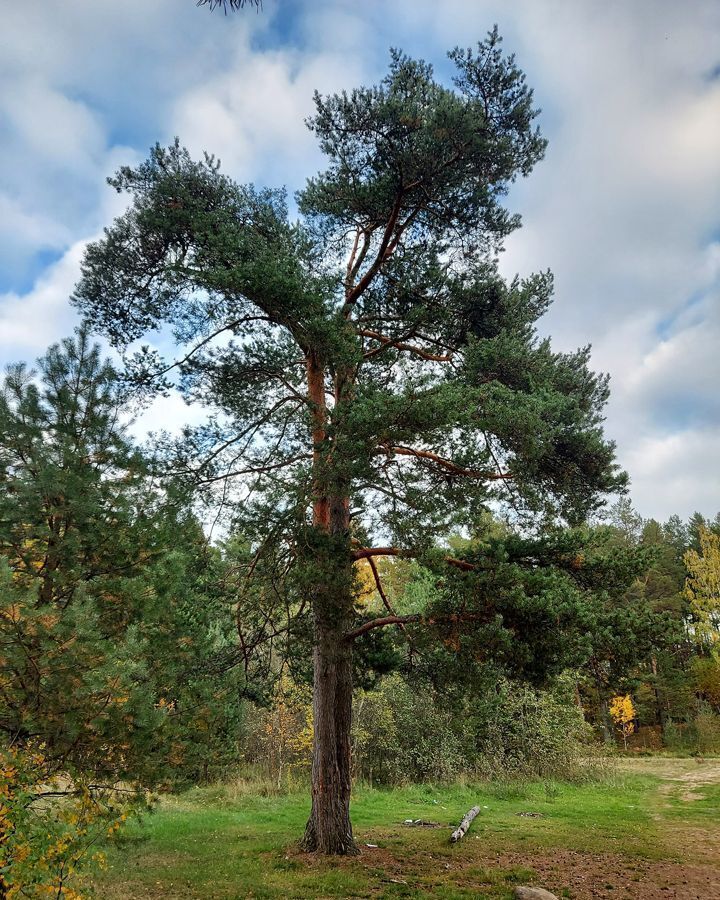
x: 702, y: 588
x: 622, y: 712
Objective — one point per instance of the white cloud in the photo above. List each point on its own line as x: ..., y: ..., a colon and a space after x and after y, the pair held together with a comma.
x: 169, y: 413
x: 251, y: 115
x: 30, y: 322
x: 676, y: 473
x: 624, y: 208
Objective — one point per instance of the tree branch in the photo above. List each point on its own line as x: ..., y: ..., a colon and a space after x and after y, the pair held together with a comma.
x: 378, y: 585
x: 382, y: 621
x: 384, y: 250
x: 447, y: 464
x: 369, y: 552
x: 257, y: 470
x: 203, y: 342
x: 233, y: 4
x: 400, y: 345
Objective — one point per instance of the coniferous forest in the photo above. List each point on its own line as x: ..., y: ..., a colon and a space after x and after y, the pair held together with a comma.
x: 398, y: 554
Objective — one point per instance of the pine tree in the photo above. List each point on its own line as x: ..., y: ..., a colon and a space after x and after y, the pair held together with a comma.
x: 377, y: 382
x: 108, y: 622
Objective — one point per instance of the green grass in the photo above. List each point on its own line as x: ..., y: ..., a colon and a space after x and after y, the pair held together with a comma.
x: 225, y: 843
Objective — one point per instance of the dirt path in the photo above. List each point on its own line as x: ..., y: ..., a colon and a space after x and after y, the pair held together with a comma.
x: 681, y: 777
x: 693, y: 841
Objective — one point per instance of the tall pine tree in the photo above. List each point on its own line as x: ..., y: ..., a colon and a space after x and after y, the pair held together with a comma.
x: 377, y: 382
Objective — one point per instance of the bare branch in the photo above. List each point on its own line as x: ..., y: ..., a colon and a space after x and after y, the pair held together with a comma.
x: 369, y: 552
x: 378, y: 585
x: 233, y: 4
x: 382, y: 621
x: 448, y: 464
x: 387, y: 245
x: 204, y: 341
x: 257, y: 470
x: 401, y: 345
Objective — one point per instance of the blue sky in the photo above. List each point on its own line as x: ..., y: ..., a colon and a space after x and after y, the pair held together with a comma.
x: 625, y: 209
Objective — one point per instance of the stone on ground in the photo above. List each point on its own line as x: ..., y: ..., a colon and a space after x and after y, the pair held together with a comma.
x: 533, y: 893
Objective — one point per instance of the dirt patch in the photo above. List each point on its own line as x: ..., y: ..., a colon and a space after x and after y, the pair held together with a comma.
x: 583, y: 876
x: 570, y: 874
x: 693, y: 771
x: 682, y: 778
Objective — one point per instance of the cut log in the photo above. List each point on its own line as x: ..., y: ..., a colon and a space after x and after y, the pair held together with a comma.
x: 462, y: 828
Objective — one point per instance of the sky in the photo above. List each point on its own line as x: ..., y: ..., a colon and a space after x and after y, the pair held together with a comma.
x: 625, y: 208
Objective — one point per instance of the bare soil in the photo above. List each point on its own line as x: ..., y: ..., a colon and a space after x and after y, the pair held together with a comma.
x: 697, y: 877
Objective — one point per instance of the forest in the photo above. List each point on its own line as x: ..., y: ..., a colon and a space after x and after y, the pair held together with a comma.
x: 397, y: 559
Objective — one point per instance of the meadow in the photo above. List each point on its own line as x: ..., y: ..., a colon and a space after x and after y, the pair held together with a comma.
x: 642, y: 829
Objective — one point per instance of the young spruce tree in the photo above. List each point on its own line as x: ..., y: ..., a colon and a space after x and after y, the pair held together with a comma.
x: 378, y: 382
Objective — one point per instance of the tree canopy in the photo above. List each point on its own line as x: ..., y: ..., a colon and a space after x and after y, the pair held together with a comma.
x: 376, y: 382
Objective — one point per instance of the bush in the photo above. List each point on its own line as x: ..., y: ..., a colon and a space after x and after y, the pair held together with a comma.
x: 400, y: 734
x: 523, y: 731
x: 707, y: 728
x: 279, y: 738
x: 680, y: 737
x: 49, y: 826
x: 409, y: 733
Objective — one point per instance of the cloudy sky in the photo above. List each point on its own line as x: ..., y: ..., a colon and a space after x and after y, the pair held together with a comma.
x: 625, y: 209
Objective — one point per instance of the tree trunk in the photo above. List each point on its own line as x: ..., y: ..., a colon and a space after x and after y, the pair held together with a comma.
x: 330, y: 582
x: 462, y: 828
x: 328, y: 829
x: 659, y: 711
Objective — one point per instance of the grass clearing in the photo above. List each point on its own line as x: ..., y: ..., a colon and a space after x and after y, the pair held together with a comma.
x: 596, y: 839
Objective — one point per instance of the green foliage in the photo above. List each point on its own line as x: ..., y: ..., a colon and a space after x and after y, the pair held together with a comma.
x: 504, y: 611
x: 417, y: 172
x: 707, y: 727
x: 402, y: 735
x: 409, y: 733
x: 520, y: 731
x: 702, y: 588
x: 108, y: 621
x: 655, y: 646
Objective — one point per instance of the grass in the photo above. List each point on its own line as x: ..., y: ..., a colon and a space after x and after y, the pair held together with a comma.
x: 226, y: 843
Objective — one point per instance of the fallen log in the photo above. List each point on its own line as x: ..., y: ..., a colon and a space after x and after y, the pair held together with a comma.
x: 462, y: 828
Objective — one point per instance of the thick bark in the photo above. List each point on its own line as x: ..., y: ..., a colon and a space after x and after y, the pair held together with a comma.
x: 329, y: 829
x: 331, y: 585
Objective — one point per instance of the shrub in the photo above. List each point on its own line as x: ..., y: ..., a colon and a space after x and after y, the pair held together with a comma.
x: 49, y: 826
x: 404, y: 732
x: 707, y: 728
x: 520, y: 730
